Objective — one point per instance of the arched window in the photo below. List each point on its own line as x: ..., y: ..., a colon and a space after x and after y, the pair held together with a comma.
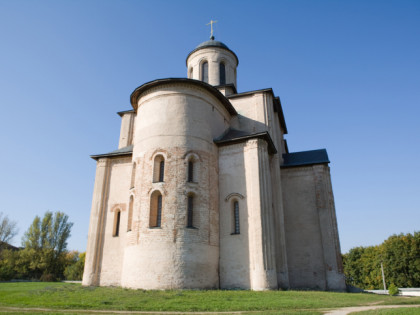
x: 117, y: 219
x: 236, y: 227
x: 130, y: 214
x: 190, y: 73
x: 133, y: 175
x: 155, y: 219
x: 222, y: 73
x: 205, y: 72
x: 191, y: 171
x: 158, y: 169
x: 190, y: 211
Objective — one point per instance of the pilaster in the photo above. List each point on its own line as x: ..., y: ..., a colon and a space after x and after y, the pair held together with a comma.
x: 329, y: 234
x: 278, y: 218
x: 261, y: 230
x: 96, y: 225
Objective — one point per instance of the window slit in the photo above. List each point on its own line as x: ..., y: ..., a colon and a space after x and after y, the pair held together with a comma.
x: 159, y: 211
x: 190, y: 171
x: 117, y: 226
x: 236, y: 217
x: 161, y: 170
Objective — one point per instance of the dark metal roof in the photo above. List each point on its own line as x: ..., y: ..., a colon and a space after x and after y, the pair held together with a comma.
x: 213, y: 43
x: 270, y: 90
x: 125, y: 111
x: 232, y: 136
x: 137, y: 92
x: 120, y: 152
x: 305, y: 158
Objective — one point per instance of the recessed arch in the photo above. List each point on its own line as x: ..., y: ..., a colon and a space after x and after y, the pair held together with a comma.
x: 237, y: 195
x: 204, y: 76
x: 156, y: 205
x: 159, y: 168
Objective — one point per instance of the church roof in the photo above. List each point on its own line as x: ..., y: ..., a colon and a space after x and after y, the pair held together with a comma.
x: 120, y: 152
x: 305, y: 158
x: 213, y: 43
x: 137, y: 92
x: 232, y: 136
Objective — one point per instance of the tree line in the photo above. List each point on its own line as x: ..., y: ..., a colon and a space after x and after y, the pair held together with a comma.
x: 400, y: 256
x: 44, y: 255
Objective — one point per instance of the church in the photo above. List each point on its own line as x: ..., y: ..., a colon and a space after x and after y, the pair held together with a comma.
x: 203, y: 193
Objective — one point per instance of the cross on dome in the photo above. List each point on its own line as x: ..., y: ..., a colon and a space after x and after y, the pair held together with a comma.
x: 211, y: 28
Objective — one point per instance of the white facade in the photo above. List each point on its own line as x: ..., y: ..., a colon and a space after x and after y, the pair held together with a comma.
x: 203, y: 193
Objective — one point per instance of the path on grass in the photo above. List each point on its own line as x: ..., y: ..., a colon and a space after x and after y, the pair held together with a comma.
x: 348, y: 310
x: 339, y: 311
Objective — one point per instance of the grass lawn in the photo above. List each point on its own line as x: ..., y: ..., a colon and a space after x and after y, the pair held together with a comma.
x: 74, y: 296
x: 392, y: 311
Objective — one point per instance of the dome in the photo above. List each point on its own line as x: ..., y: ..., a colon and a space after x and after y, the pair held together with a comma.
x: 212, y: 43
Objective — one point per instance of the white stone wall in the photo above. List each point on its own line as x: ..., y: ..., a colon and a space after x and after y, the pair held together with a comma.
x: 127, y: 128
x: 235, y: 255
x: 314, y: 259
x: 105, y: 251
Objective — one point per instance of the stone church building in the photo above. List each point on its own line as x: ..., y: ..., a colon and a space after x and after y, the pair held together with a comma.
x: 203, y: 192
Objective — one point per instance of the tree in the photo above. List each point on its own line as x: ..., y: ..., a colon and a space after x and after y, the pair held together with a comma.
x: 47, y: 240
x: 50, y: 233
x: 400, y: 255
x: 75, y: 265
x: 8, y: 229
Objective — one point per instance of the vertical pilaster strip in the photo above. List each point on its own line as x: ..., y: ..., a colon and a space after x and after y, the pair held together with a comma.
x: 96, y: 225
x: 262, y: 270
x: 326, y: 212
x: 278, y: 218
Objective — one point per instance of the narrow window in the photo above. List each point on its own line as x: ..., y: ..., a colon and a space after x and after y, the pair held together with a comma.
x: 158, y: 169
x: 161, y: 170
x: 205, y: 72
x: 222, y: 73
x: 190, y: 208
x: 130, y: 214
x: 117, y: 223
x: 236, y: 218
x: 190, y: 73
x: 190, y: 171
x: 155, y: 219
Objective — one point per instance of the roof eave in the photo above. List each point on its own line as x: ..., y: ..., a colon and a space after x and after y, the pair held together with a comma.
x: 138, y: 91
x: 261, y: 135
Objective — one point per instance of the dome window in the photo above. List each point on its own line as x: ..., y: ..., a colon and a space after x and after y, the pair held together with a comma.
x: 222, y: 73
x: 205, y: 72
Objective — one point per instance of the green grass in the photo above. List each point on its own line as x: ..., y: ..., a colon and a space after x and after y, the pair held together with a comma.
x: 74, y: 296
x: 391, y: 311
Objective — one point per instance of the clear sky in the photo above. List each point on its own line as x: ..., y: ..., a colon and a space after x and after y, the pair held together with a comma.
x: 347, y: 73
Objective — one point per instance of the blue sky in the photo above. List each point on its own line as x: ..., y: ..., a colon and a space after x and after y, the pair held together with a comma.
x: 347, y: 72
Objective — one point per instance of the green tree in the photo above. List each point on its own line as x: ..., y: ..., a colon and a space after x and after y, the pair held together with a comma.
x: 400, y: 255
x: 75, y: 265
x: 46, y: 241
x: 8, y: 229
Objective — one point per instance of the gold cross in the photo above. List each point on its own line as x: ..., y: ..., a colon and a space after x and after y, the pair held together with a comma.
x: 211, y: 26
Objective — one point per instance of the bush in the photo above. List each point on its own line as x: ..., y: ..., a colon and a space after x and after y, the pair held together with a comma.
x: 393, y: 290
x: 74, y: 270
x: 48, y: 277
